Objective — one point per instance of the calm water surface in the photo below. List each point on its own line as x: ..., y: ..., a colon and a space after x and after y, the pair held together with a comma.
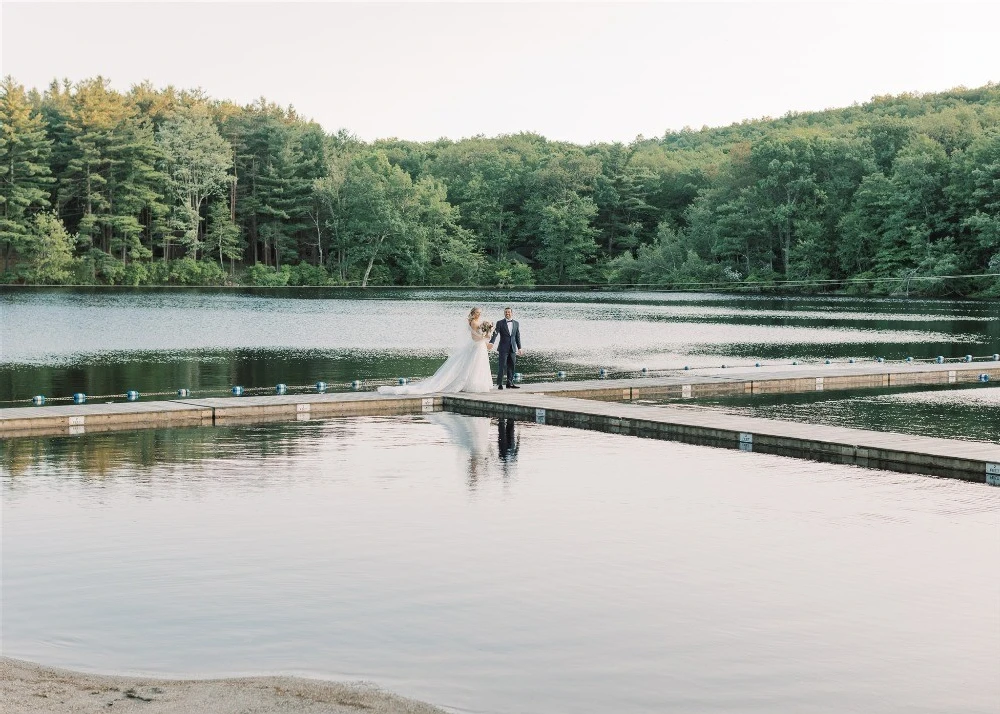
x: 488, y: 566
x: 105, y: 341
x: 958, y: 412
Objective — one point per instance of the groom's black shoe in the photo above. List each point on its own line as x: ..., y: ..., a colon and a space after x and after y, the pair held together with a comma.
x: 512, y: 386
x: 499, y: 386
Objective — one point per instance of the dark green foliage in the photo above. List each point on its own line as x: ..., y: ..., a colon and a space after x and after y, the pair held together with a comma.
x: 306, y: 274
x: 266, y: 276
x: 26, y: 181
x: 47, y: 253
x: 567, y: 240
x: 170, y: 187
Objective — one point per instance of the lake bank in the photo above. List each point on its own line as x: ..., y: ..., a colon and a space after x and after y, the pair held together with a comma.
x: 29, y: 687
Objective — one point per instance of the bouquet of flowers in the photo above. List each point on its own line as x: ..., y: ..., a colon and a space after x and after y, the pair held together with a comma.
x: 486, y: 328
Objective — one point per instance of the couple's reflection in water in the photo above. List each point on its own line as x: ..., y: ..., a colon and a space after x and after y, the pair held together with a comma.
x: 505, y: 462
x: 506, y: 440
x: 476, y: 437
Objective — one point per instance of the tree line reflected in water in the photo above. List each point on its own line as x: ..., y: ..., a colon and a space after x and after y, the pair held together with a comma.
x: 489, y: 447
x: 101, y: 455
x: 208, y: 373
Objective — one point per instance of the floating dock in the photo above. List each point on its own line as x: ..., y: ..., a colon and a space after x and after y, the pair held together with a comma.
x: 224, y: 411
x: 585, y: 404
x: 952, y: 458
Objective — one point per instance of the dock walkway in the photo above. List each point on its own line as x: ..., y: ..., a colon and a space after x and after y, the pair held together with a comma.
x: 953, y: 458
x: 584, y: 404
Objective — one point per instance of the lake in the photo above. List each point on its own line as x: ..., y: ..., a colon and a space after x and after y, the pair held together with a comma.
x: 105, y: 341
x: 493, y: 566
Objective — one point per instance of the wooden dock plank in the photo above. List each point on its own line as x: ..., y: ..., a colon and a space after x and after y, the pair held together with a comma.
x: 83, y: 418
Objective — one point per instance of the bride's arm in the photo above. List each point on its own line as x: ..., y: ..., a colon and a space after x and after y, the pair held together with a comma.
x: 477, y: 334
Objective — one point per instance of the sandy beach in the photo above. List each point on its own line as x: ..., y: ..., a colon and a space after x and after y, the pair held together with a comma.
x: 26, y: 688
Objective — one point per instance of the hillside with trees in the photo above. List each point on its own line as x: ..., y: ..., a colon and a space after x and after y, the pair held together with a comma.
x: 166, y: 186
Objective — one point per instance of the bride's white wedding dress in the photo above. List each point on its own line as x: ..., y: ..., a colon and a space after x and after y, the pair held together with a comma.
x: 467, y: 369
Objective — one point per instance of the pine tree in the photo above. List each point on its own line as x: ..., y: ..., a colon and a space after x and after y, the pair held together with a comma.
x: 110, y: 183
x: 25, y: 182
x: 251, y: 133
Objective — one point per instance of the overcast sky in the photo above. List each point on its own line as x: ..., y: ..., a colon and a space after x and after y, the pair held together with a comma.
x: 574, y: 71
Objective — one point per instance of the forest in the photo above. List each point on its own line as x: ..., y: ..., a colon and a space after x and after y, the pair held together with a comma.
x: 171, y: 187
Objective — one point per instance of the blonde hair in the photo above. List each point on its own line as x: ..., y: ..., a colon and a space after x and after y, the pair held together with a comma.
x: 473, y: 312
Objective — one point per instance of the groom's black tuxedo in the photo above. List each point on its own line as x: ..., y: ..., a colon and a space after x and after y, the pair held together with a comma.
x: 510, y: 343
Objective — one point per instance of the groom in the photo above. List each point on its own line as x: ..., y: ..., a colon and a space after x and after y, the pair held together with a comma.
x: 510, y: 335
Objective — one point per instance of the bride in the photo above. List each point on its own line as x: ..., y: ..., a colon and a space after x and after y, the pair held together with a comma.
x: 467, y: 368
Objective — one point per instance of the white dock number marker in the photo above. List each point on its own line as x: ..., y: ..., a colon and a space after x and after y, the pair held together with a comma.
x: 819, y: 384
x: 539, y: 416
x: 427, y: 404
x: 685, y: 391
x: 951, y: 376
x: 993, y: 474
x: 746, y: 441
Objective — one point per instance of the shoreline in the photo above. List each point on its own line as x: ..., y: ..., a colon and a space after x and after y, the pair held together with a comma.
x: 711, y: 290
x: 31, y: 688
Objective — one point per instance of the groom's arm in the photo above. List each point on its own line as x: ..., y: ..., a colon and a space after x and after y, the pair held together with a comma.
x: 518, y: 336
